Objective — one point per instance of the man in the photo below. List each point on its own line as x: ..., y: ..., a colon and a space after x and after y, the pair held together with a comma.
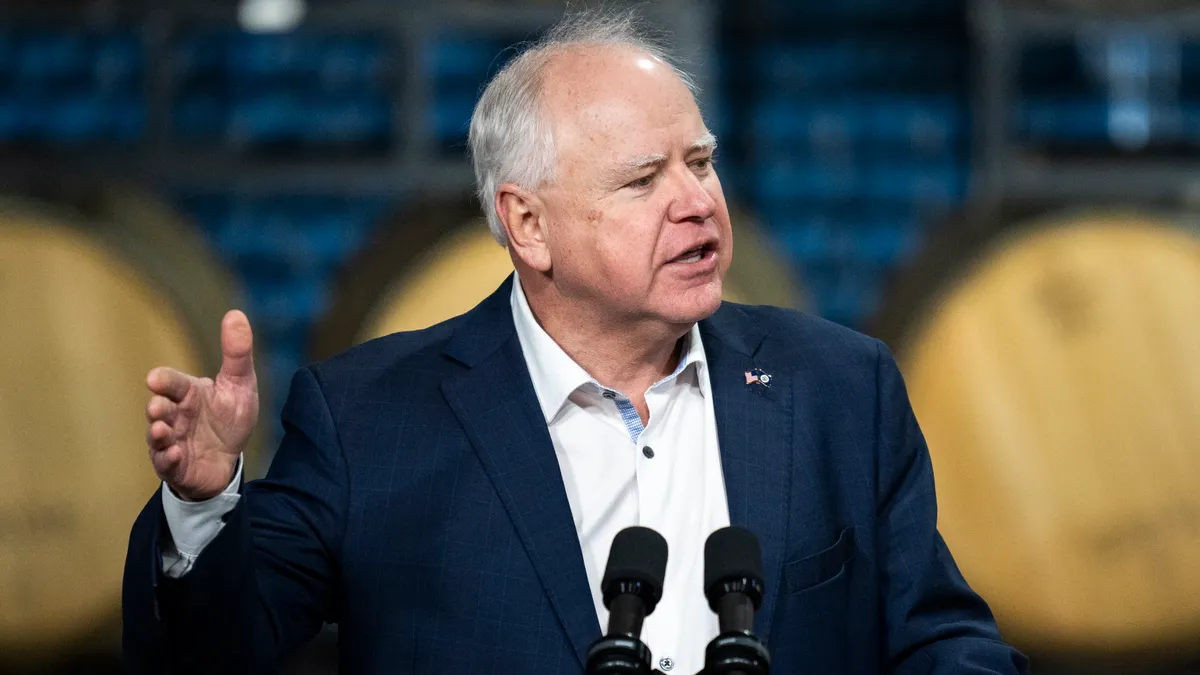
x: 448, y: 496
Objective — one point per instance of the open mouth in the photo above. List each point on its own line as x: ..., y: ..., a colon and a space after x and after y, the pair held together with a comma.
x: 694, y: 255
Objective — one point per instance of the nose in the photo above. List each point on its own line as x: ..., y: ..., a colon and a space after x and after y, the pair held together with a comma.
x: 692, y: 200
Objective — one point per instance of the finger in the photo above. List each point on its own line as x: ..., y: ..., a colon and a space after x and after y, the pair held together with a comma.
x: 237, y: 348
x: 169, y: 382
x: 161, y: 408
x: 160, y: 436
x: 166, y: 462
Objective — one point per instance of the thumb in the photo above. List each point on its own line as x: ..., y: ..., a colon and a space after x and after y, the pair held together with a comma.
x: 237, y: 348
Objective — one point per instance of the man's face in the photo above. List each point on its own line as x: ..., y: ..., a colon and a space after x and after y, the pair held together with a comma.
x: 637, y: 221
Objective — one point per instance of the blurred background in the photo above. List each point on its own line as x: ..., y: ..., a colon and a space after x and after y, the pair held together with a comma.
x: 1005, y: 192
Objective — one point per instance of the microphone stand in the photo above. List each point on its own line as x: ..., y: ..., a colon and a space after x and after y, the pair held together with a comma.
x: 734, y: 587
x: 632, y: 587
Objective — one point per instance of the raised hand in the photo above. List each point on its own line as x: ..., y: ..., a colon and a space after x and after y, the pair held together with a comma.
x: 199, y: 425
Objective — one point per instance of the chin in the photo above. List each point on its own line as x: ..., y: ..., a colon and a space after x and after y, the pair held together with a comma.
x: 695, y: 305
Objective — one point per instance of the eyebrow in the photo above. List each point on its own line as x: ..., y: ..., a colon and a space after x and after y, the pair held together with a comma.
x: 707, y: 142
x: 638, y: 164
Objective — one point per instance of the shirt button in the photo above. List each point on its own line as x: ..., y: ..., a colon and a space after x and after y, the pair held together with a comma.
x: 648, y: 452
x: 609, y: 395
x: 667, y: 664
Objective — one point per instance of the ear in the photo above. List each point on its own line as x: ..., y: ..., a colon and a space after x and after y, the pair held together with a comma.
x: 523, y: 216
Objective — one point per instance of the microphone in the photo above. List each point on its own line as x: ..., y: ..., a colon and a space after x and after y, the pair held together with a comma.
x: 733, y: 584
x: 631, y: 588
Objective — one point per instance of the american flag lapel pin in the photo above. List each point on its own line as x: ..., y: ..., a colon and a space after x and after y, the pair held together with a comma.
x: 758, y: 376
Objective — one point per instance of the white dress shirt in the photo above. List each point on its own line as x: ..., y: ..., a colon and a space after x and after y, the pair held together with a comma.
x: 194, y: 525
x: 666, y: 476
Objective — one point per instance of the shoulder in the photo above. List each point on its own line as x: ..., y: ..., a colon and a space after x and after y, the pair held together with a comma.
x: 404, y: 360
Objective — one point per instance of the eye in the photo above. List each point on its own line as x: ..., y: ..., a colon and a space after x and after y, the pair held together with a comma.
x: 703, y: 164
x: 643, y: 182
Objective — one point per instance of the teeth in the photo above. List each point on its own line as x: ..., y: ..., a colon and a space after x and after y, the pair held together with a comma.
x: 694, y: 257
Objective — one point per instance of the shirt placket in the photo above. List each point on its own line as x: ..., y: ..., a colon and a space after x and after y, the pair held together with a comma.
x: 653, y: 458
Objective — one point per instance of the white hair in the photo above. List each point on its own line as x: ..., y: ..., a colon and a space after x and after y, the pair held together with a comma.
x: 510, y: 140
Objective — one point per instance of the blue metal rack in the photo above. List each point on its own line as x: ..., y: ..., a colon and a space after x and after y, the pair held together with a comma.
x: 852, y: 128
x: 1079, y: 106
x: 844, y: 136
x: 70, y: 87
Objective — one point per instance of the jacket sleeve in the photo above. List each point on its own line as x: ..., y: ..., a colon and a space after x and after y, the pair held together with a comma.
x: 263, y: 586
x: 935, y: 623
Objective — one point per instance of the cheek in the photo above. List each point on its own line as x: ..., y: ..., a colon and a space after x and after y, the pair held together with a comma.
x: 591, y: 252
x: 653, y: 243
x: 722, y: 217
x: 571, y: 236
x: 613, y: 246
x: 630, y: 237
x: 712, y: 185
x: 626, y: 255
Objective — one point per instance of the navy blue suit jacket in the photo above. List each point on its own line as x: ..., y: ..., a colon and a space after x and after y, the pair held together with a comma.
x: 416, y: 501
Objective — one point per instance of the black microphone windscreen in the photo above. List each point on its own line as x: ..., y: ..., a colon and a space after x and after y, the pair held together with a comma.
x: 638, y: 554
x: 731, y: 553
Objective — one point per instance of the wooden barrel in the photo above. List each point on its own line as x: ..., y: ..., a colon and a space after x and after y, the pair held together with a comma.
x: 95, y: 294
x: 1055, y: 372
x: 439, y: 260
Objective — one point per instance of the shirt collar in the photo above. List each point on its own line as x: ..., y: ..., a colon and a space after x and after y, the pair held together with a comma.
x: 556, y: 375
x: 694, y: 353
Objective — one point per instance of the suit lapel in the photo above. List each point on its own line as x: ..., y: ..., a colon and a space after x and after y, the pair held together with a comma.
x: 496, y: 404
x: 754, y: 430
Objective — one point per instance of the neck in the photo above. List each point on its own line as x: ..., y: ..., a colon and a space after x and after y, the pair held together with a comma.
x: 623, y: 354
